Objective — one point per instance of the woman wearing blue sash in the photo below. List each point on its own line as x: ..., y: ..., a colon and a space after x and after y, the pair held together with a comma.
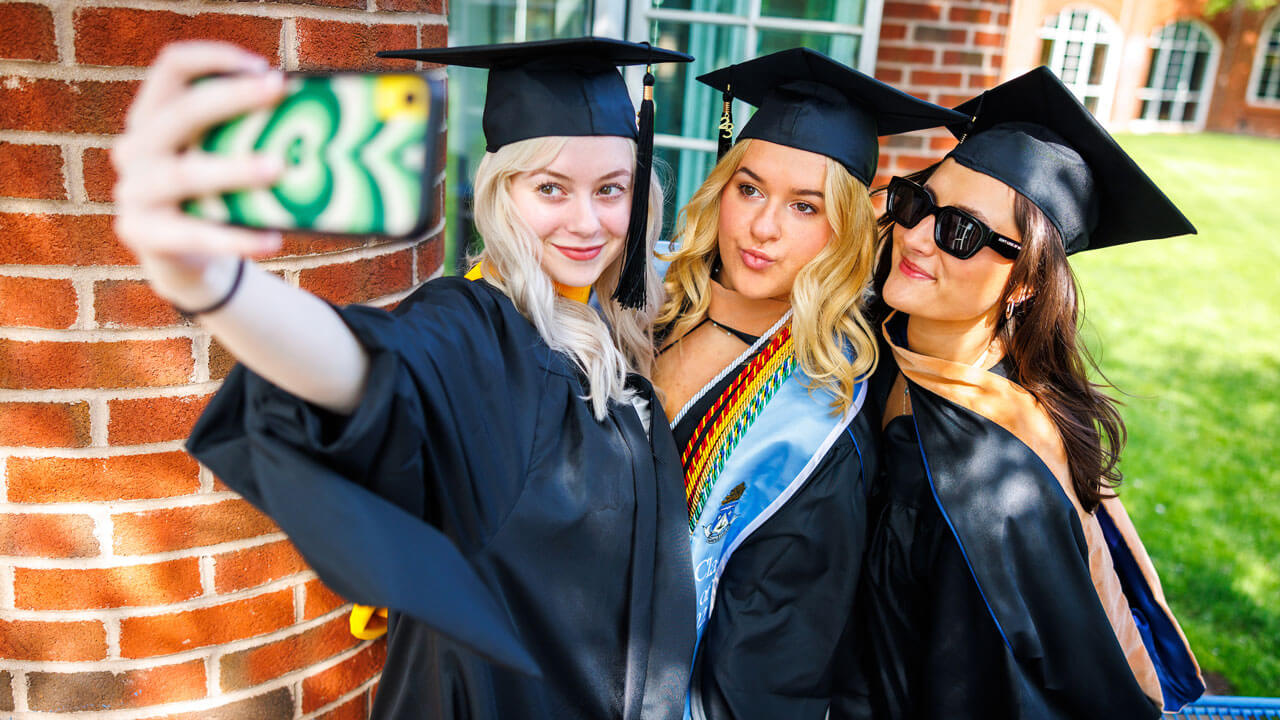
x: 763, y: 368
x: 1003, y: 578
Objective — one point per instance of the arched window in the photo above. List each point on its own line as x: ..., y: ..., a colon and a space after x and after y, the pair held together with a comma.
x: 1082, y: 46
x: 1264, y: 84
x: 1184, y: 60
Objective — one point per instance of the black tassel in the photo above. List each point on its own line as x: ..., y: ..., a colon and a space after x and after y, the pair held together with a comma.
x: 630, y: 292
x: 726, y: 123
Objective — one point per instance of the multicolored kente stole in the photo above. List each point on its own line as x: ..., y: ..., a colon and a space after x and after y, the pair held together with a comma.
x: 719, y: 431
x: 755, y: 448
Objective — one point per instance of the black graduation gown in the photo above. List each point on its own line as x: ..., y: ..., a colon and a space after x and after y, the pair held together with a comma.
x: 980, y: 595
x: 777, y: 644
x: 474, y: 494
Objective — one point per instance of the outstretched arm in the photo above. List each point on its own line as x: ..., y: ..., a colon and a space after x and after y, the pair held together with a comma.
x: 286, y: 335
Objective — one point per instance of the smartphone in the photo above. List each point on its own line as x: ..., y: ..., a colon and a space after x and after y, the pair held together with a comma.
x: 360, y: 152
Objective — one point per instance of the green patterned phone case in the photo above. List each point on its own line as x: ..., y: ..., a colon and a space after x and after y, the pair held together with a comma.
x: 359, y: 151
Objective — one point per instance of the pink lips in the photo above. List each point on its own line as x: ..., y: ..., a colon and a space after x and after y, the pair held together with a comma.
x: 579, y: 254
x: 755, y: 260
x: 907, y: 268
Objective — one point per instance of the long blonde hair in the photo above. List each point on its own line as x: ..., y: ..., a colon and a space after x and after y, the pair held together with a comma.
x: 605, y: 349
x: 829, y: 292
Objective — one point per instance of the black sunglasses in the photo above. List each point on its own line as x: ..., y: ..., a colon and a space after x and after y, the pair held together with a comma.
x: 955, y: 231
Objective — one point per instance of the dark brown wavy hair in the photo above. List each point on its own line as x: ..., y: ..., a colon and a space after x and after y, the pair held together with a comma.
x: 1043, y: 350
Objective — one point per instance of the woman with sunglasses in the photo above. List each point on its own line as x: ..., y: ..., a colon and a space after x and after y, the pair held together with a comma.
x: 1003, y: 578
x: 765, y: 360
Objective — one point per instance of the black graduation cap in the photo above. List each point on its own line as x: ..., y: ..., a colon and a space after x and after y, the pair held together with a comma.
x: 808, y: 101
x: 1032, y: 134
x: 568, y: 87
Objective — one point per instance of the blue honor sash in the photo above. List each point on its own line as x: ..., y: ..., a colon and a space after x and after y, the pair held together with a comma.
x: 770, y: 462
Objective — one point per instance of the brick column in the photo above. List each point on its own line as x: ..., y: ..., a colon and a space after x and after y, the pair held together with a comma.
x: 943, y: 51
x: 133, y: 584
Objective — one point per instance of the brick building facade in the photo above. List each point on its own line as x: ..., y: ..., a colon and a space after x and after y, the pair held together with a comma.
x: 133, y: 584
x: 943, y: 51
x: 1158, y: 65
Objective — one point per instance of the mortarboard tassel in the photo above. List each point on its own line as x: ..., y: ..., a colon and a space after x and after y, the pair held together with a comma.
x: 630, y: 292
x: 973, y: 119
x: 726, y: 123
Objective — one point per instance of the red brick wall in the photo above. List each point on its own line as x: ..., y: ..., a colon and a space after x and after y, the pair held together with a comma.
x: 132, y: 583
x: 944, y: 51
x: 1230, y: 110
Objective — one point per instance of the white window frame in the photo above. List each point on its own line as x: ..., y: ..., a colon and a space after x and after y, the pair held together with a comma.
x: 1271, y: 25
x: 642, y: 14
x: 1181, y: 95
x: 1097, y: 24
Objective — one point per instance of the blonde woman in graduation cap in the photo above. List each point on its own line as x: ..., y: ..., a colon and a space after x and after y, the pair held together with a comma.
x: 480, y: 460
x: 763, y: 369
x: 1003, y: 578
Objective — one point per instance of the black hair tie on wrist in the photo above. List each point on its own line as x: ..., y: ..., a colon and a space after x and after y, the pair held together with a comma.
x: 235, y: 285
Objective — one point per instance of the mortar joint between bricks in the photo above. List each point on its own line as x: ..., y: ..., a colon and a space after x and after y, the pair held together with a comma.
x: 73, y: 175
x: 38, y: 206
x: 96, y: 452
x: 99, y: 422
x: 26, y: 71
x: 212, y: 665
x: 112, y: 625
x: 104, y: 529
x: 207, y: 576
x: 72, y: 141
x: 84, y: 288
x: 289, y: 44
x: 7, y: 599
x: 20, y: 704
x: 201, y: 346
x: 206, y: 480
x: 64, y: 32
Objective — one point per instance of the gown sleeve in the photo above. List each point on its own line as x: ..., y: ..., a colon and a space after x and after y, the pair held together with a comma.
x: 365, y: 497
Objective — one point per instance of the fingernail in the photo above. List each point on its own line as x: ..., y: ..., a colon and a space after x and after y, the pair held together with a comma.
x: 269, y: 166
x: 267, y: 244
x: 272, y: 81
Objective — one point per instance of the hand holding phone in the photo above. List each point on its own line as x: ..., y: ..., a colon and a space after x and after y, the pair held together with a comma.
x: 359, y: 152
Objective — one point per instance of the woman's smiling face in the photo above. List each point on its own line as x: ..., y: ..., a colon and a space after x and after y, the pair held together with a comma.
x: 773, y: 219
x: 579, y: 206
x: 927, y: 283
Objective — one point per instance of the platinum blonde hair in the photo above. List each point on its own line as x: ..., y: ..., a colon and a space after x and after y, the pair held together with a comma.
x: 604, y: 348
x: 829, y: 293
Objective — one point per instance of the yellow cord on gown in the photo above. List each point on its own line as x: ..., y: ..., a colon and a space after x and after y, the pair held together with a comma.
x: 581, y: 294
x: 369, y: 622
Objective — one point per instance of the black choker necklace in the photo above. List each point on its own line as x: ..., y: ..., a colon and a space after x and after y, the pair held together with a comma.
x: 745, y: 337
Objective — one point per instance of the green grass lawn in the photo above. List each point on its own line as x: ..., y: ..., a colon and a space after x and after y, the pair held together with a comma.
x: 1188, y: 331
